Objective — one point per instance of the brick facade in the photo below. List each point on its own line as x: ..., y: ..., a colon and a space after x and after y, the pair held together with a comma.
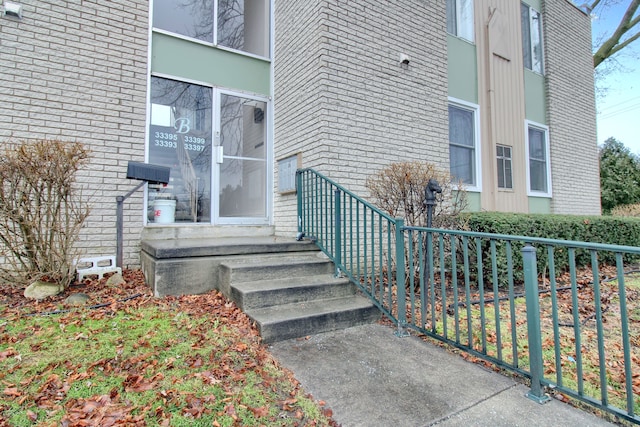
x: 342, y: 96
x: 77, y: 71
x: 571, y: 109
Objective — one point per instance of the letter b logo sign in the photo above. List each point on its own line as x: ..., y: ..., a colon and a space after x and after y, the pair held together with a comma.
x: 181, y: 125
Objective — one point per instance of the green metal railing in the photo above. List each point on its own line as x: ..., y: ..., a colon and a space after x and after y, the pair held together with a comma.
x: 564, y: 314
x: 356, y: 235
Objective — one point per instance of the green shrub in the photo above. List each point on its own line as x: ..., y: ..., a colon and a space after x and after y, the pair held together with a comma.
x: 593, y: 229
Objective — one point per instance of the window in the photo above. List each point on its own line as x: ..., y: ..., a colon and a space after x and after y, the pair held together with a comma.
x: 236, y: 24
x: 539, y: 171
x: 463, y: 153
x: 531, y: 38
x: 460, y: 18
x: 505, y: 174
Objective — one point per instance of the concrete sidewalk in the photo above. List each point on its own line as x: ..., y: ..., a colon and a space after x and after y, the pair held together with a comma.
x: 369, y: 377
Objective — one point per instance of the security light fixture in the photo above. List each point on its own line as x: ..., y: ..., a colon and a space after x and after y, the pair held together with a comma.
x: 13, y: 10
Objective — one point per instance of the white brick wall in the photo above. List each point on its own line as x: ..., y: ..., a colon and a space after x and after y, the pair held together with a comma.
x: 342, y: 97
x: 571, y: 109
x: 77, y: 71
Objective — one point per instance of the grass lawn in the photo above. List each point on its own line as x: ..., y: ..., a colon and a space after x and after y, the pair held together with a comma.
x: 192, y: 360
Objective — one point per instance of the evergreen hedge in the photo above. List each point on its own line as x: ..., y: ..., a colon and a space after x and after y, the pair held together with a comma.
x: 593, y: 229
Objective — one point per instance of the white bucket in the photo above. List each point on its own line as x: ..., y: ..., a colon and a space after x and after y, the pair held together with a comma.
x: 164, y: 211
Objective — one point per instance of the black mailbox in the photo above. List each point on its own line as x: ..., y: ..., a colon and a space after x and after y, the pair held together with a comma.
x: 153, y: 174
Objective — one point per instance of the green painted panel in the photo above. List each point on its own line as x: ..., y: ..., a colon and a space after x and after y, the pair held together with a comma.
x: 536, y: 4
x: 194, y: 61
x: 474, y: 203
x: 540, y: 205
x: 535, y: 99
x: 462, y: 69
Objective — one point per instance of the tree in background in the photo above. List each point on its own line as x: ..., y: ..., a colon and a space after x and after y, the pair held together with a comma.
x: 619, y: 175
x: 627, y: 31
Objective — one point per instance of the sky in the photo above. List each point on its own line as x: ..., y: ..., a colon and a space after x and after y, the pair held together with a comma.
x: 618, y: 110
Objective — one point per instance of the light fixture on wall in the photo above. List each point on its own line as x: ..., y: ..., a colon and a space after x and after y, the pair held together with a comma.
x: 13, y: 10
x: 404, y: 59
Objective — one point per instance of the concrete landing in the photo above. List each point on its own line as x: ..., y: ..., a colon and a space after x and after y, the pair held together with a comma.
x: 369, y: 377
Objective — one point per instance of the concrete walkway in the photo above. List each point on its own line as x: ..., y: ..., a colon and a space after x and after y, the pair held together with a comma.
x: 369, y: 377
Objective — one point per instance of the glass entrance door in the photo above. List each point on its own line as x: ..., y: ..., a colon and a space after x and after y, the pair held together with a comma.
x: 215, y: 144
x: 241, y: 158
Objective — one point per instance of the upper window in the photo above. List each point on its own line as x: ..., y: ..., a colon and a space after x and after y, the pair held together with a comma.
x: 531, y: 38
x: 460, y: 18
x: 539, y: 170
x: 505, y: 171
x: 463, y: 144
x: 237, y: 24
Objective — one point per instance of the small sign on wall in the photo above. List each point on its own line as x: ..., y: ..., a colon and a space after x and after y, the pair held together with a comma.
x: 287, y: 173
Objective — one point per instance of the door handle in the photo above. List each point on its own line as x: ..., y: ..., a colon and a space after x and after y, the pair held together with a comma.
x: 219, y: 154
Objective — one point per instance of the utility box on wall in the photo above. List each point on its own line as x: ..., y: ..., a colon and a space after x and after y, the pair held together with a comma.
x: 287, y: 168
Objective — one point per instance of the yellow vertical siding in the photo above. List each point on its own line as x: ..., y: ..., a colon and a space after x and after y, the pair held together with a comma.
x: 501, y: 100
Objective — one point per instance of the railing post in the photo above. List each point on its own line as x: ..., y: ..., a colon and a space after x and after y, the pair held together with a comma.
x: 400, y: 279
x: 533, y: 324
x: 299, y: 201
x: 338, y: 231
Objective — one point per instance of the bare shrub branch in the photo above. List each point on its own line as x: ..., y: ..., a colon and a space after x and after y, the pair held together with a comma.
x: 41, y: 210
x: 399, y: 190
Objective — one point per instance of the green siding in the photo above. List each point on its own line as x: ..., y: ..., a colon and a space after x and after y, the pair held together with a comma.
x: 534, y: 94
x: 462, y: 70
x: 194, y: 61
x: 540, y: 205
x: 474, y: 203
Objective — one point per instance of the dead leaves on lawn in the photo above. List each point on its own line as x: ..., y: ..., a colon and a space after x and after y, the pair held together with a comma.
x: 135, y: 368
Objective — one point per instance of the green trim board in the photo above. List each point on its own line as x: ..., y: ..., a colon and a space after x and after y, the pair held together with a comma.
x: 536, y: 4
x: 462, y: 69
x: 174, y: 56
x: 539, y: 205
x: 535, y: 103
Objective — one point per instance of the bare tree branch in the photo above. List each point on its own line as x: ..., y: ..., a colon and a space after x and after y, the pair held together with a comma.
x: 615, y: 43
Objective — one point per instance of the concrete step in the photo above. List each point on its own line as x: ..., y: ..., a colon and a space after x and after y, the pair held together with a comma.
x: 168, y: 248
x: 288, y: 290
x: 300, y: 319
x: 272, y: 267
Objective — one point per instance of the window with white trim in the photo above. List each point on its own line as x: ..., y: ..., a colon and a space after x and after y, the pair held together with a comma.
x: 236, y: 24
x: 538, y: 165
x: 463, y: 144
x: 505, y: 171
x: 460, y: 19
x: 531, y: 38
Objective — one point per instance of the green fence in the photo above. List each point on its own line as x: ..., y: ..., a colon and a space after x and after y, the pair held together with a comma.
x: 552, y: 311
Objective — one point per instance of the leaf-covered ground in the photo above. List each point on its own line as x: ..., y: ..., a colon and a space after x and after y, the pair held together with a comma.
x: 583, y: 330
x: 127, y: 358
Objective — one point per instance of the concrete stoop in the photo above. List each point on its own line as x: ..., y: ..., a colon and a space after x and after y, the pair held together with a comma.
x: 294, y: 295
x: 288, y: 288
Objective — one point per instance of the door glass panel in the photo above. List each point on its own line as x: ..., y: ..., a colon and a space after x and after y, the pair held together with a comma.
x: 191, y: 18
x: 243, y: 173
x: 180, y: 138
